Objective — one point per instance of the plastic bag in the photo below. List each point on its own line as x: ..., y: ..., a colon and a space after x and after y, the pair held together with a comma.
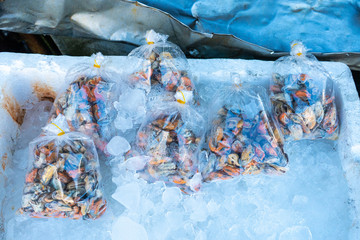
x: 162, y: 63
x: 168, y: 144
x: 87, y: 102
x: 243, y: 138
x: 63, y: 180
x: 303, y: 97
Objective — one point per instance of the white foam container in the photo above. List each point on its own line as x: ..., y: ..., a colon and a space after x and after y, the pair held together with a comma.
x: 19, y: 73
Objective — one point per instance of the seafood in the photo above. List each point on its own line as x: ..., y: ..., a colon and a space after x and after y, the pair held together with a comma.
x: 305, y: 108
x: 84, y: 105
x: 62, y: 187
x: 164, y: 72
x: 319, y: 111
x: 171, y: 145
x: 161, y: 63
x: 309, y: 117
x: 47, y: 174
x: 278, y: 79
x: 309, y: 110
x: 233, y: 159
x: 239, y: 144
x: 296, y: 131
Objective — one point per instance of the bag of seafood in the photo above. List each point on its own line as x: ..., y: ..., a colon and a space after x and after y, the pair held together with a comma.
x: 243, y: 138
x: 303, y: 97
x: 87, y: 102
x: 161, y: 66
x: 63, y: 180
x: 168, y: 144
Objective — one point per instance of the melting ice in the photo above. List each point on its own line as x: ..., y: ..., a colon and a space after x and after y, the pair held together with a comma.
x: 309, y: 202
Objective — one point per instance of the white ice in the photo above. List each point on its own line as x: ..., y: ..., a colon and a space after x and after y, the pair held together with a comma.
x: 137, y: 162
x: 311, y: 201
x: 296, y: 233
x: 132, y: 105
x: 195, y: 182
x: 126, y: 229
x: 123, y: 123
x: 311, y: 197
x: 171, y: 196
x: 117, y: 146
x: 128, y: 195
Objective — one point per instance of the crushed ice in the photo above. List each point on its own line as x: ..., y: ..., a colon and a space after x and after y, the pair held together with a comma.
x: 308, y: 202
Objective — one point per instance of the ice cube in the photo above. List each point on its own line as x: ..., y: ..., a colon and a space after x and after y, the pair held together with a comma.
x: 126, y: 229
x: 132, y: 105
x: 137, y: 163
x: 128, y: 195
x: 197, y: 209
x: 201, y: 235
x: 130, y: 100
x: 115, y: 161
x: 139, y: 114
x: 195, y: 182
x: 212, y: 206
x: 117, y: 146
x: 123, y: 123
x: 299, y: 200
x: 146, y: 206
x: 296, y: 233
x: 174, y: 219
x: 171, y: 196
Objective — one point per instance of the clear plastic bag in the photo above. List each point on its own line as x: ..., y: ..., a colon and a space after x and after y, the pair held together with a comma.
x: 161, y: 62
x: 168, y: 144
x: 303, y: 97
x: 243, y: 138
x: 87, y: 104
x: 63, y: 180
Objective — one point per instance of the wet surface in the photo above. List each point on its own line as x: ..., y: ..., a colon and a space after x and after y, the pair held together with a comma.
x: 4, y: 161
x: 14, y: 109
x: 44, y: 92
